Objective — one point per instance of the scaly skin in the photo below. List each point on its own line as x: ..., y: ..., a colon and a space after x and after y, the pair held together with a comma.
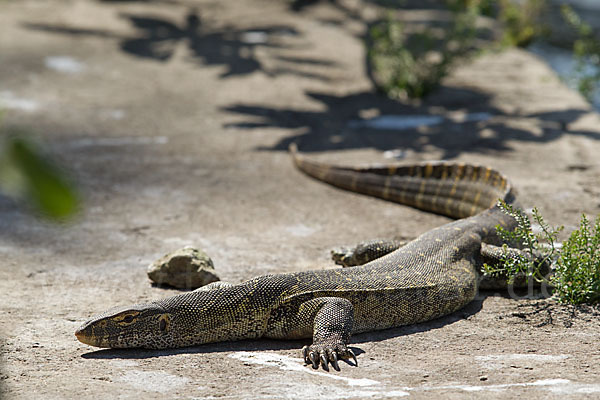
x: 427, y: 278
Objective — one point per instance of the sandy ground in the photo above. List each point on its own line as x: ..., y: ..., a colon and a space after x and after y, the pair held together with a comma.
x: 174, y: 117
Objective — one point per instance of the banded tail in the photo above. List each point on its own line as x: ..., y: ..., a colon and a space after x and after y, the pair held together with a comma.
x: 456, y: 190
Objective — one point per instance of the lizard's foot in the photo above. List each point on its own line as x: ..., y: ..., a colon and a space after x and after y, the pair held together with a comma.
x: 324, y: 354
x: 332, y: 327
x: 343, y: 256
x: 364, y: 252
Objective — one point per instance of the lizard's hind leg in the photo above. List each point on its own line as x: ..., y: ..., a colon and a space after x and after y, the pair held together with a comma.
x: 493, y: 255
x: 365, y: 252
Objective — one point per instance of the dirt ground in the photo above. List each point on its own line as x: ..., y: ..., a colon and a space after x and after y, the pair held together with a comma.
x: 174, y: 117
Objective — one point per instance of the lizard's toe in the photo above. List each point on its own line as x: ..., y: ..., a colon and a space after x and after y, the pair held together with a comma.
x: 327, y: 354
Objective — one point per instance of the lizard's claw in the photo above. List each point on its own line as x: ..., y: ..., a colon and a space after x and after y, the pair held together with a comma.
x: 325, y: 354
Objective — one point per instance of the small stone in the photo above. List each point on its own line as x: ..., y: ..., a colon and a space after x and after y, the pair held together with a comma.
x: 483, y: 378
x: 186, y: 268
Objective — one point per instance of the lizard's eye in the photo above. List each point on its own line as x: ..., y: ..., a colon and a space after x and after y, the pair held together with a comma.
x: 128, y: 319
x: 163, y: 323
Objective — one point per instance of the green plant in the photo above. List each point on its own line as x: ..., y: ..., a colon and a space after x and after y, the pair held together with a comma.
x: 539, y: 249
x: 521, y: 21
x: 483, y: 7
x: 586, y: 49
x: 413, y: 64
x: 576, y: 275
x: 28, y: 174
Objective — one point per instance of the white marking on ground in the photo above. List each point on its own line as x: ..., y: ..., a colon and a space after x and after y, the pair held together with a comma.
x: 471, y: 117
x: 64, y: 64
x: 403, y: 122
x: 254, y: 37
x: 300, y: 230
x: 501, y: 360
x: 514, y: 357
x: 562, y: 386
x: 117, y: 141
x: 397, y: 122
x: 368, y: 389
x: 563, y: 195
x: 115, y: 114
x: 123, y: 363
x: 295, y: 364
x: 9, y: 101
x: 293, y: 390
x: 153, y: 381
x: 396, y: 154
x: 180, y: 242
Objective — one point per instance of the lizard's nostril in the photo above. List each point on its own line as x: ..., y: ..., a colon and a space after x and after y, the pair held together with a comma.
x: 79, y: 334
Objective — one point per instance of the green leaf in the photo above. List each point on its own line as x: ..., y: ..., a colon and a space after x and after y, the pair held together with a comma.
x: 25, y: 172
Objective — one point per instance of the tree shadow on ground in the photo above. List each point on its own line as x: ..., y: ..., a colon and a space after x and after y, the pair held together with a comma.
x: 344, y: 124
x: 302, y: 5
x: 464, y: 121
x: 140, y: 1
x: 234, y: 48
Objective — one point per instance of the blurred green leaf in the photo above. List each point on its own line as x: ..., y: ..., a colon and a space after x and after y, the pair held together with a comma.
x: 586, y: 50
x: 27, y: 173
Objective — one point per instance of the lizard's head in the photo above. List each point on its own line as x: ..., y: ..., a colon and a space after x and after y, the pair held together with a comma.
x: 142, y: 325
x: 189, y: 319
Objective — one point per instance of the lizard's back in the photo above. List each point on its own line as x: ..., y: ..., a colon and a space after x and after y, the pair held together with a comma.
x: 429, y: 277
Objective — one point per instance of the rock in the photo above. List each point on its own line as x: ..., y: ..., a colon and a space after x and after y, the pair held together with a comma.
x: 186, y: 268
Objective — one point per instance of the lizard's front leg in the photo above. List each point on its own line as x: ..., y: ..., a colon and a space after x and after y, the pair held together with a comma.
x: 332, y: 326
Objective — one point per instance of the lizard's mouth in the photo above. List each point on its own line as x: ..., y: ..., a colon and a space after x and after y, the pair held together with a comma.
x: 85, y: 336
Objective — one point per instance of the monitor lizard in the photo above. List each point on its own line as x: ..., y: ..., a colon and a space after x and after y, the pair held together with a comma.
x: 429, y: 277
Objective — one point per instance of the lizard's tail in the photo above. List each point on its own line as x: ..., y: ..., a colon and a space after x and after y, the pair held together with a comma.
x: 456, y: 190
